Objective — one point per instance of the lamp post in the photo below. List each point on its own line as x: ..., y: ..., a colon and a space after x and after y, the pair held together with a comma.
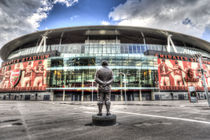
x: 92, y: 81
x: 124, y: 79
x: 140, y: 95
x: 199, y: 57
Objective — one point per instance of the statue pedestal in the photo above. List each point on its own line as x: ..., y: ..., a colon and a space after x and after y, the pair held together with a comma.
x: 104, y: 120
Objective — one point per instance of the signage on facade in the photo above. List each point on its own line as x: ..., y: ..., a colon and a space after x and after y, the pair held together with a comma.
x: 177, y: 73
x: 32, y: 57
x: 25, y: 74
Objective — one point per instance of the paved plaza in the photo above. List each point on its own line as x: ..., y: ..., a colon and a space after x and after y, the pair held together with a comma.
x: 151, y: 120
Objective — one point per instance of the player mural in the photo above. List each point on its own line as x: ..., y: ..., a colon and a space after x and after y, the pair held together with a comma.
x: 178, y: 75
x: 208, y: 74
x: 24, y: 76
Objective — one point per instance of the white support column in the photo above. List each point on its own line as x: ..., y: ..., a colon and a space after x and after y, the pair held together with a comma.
x: 51, y: 96
x: 82, y: 97
x: 170, y: 43
x: 64, y: 95
x: 42, y: 43
x: 45, y: 46
x: 140, y: 95
x: 143, y: 38
x: 61, y: 38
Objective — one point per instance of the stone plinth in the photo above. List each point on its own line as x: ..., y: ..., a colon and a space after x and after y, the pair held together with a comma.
x: 104, y: 120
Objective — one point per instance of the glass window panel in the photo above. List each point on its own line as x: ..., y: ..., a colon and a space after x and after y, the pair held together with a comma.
x: 100, y: 49
x: 69, y: 49
x: 104, y: 49
x: 126, y: 49
x: 130, y: 49
x: 96, y: 49
x: 91, y: 49
x: 82, y: 49
x: 134, y: 49
x: 143, y: 48
x: 122, y: 49
x: 138, y: 49
x: 109, y: 50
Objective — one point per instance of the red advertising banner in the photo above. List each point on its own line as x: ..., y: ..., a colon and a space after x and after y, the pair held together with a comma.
x: 177, y: 75
x: 24, y: 76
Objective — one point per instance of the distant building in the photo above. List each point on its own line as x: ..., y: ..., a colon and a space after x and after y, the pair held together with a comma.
x: 60, y: 64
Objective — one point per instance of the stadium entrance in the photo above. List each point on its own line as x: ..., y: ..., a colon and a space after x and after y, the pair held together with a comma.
x: 131, y: 95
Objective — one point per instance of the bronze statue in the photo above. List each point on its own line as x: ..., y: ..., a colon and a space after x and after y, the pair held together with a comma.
x: 104, y: 77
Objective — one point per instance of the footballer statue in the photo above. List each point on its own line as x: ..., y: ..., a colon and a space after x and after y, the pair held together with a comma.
x: 104, y: 78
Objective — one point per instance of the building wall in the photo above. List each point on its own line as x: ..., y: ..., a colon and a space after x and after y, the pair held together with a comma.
x: 75, y: 71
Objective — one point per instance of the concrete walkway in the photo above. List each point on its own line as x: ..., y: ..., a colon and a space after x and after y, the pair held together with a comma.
x: 175, y: 103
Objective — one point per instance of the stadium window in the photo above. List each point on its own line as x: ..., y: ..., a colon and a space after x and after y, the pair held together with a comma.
x: 82, y: 49
x: 138, y: 49
x: 56, y: 62
x: 108, y: 51
x: 96, y: 49
x: 126, y: 49
x: 104, y: 49
x: 150, y: 47
x: 122, y: 49
x: 134, y: 49
x: 143, y: 49
x: 130, y: 49
x: 53, y: 47
x: 157, y: 47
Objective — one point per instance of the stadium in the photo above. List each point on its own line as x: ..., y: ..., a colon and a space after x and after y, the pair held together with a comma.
x: 60, y: 64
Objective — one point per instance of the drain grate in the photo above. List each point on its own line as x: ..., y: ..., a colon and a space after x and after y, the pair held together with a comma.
x: 89, y: 124
x: 18, y: 123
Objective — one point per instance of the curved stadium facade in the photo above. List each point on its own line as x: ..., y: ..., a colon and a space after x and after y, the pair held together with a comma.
x: 60, y: 64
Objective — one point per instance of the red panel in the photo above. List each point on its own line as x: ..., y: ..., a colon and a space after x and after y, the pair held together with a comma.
x: 24, y: 76
x: 175, y: 75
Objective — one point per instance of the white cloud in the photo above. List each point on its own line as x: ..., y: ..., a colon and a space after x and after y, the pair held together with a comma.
x: 73, y: 17
x: 19, y: 17
x: 185, y: 16
x: 105, y: 23
x: 68, y: 3
x: 40, y: 14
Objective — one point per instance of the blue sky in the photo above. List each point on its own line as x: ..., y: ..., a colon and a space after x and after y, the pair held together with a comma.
x: 206, y: 34
x: 178, y: 16
x: 85, y: 12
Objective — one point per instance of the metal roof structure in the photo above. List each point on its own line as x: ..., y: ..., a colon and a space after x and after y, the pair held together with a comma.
x: 126, y: 34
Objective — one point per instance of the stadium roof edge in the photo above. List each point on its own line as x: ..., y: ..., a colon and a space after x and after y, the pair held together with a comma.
x: 18, y: 42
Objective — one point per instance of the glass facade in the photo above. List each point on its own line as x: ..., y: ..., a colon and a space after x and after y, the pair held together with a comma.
x: 79, y: 72
x: 76, y: 67
x: 111, y: 48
